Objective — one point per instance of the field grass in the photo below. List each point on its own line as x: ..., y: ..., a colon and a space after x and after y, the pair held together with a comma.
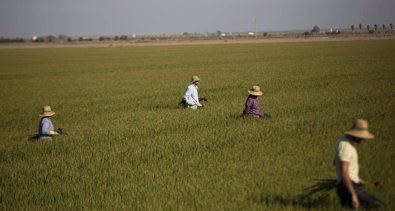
x: 130, y: 146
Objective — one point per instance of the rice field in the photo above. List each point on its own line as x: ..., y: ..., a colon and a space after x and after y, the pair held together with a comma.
x: 130, y: 146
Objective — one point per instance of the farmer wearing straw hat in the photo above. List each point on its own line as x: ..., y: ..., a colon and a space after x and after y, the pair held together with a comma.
x: 251, y: 107
x: 349, y: 185
x: 46, y: 129
x: 191, y: 97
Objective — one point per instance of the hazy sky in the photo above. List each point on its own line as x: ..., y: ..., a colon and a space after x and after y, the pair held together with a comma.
x: 25, y: 18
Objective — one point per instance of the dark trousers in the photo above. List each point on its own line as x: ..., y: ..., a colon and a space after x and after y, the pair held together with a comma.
x: 365, y: 200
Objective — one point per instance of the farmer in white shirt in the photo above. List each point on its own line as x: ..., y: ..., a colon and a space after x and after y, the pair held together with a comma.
x: 191, y: 97
x: 349, y: 185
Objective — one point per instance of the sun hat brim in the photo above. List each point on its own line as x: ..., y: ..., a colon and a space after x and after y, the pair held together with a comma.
x: 47, y: 114
x: 360, y: 134
x: 259, y: 93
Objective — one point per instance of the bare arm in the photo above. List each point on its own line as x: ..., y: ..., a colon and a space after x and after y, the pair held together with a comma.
x: 348, y: 183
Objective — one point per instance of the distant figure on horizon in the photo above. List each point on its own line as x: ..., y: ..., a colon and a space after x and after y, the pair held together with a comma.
x: 251, y: 106
x: 349, y: 186
x: 46, y: 129
x: 191, y: 97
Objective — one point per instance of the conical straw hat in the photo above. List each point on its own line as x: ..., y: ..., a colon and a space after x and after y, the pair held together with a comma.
x: 360, y: 130
x: 47, y: 112
x: 195, y: 78
x: 255, y: 90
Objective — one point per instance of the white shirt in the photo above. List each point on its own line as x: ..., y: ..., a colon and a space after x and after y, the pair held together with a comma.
x: 345, y: 151
x: 191, y: 96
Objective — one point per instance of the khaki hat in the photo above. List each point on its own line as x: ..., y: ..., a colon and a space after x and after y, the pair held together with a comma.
x: 195, y: 78
x: 47, y: 112
x: 360, y: 130
x: 255, y: 90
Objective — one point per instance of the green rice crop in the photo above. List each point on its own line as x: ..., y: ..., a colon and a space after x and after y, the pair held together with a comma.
x: 130, y: 146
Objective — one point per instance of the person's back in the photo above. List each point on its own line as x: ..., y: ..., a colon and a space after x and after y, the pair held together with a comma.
x: 45, y: 127
x: 251, y: 107
x: 345, y: 151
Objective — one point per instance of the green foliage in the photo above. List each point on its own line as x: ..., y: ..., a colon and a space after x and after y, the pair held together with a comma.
x: 130, y: 146
x: 104, y: 38
x: 12, y: 40
x: 315, y: 29
x: 123, y: 37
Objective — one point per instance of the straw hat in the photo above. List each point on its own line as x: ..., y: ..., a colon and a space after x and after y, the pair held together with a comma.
x: 47, y: 112
x: 195, y: 78
x: 255, y: 90
x: 360, y: 130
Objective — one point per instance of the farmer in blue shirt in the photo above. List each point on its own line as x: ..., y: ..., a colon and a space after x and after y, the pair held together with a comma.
x: 46, y: 129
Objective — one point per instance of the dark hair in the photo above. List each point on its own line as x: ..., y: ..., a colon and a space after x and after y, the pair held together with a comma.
x: 354, y: 138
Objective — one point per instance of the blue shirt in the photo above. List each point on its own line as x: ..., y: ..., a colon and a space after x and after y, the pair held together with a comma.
x: 191, y: 96
x: 45, y: 126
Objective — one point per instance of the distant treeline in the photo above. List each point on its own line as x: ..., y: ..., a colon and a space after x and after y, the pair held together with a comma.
x: 12, y: 40
x: 315, y: 32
